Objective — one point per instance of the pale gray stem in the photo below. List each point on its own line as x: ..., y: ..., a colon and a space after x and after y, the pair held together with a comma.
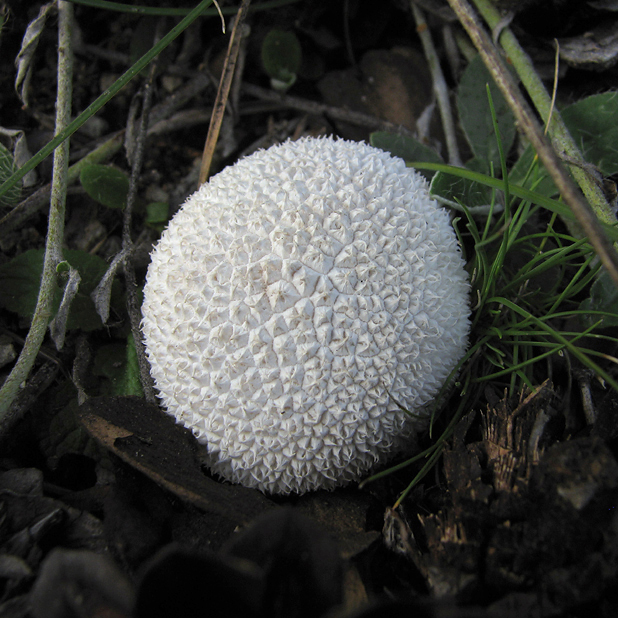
x: 55, y: 230
x: 439, y: 85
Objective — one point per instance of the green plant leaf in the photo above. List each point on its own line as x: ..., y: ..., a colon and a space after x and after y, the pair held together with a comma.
x: 7, y: 169
x: 529, y: 172
x: 604, y: 298
x: 406, y: 148
x: 20, y: 279
x: 456, y: 190
x: 593, y: 123
x: 118, y: 363
x: 475, y: 114
x: 157, y: 215
x: 105, y: 184
x: 142, y: 39
x: 523, y: 193
x: 281, y: 57
x: 132, y: 384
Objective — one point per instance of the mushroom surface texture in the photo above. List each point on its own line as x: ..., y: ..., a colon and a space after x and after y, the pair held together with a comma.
x: 291, y: 304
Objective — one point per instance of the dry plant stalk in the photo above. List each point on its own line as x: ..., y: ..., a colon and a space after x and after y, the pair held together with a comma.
x: 440, y: 87
x: 223, y: 92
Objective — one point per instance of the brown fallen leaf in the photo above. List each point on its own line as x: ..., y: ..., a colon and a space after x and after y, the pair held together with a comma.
x: 594, y: 50
x: 147, y: 439
x: 393, y: 85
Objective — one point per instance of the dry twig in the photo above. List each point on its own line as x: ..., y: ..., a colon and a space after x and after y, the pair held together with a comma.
x: 224, y: 91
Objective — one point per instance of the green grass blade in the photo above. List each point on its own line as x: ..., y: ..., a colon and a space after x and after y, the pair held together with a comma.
x: 525, y: 194
x: 171, y: 12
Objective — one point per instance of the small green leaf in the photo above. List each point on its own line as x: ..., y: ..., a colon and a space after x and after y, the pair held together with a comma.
x: 281, y: 57
x: 143, y: 39
x: 593, y: 123
x: 604, y: 298
x: 21, y: 277
x: 105, y: 184
x: 157, y: 215
x: 460, y: 190
x: 530, y: 173
x: 132, y: 385
x: 118, y: 363
x: 7, y: 169
x: 63, y: 267
x: 406, y: 148
x: 475, y: 113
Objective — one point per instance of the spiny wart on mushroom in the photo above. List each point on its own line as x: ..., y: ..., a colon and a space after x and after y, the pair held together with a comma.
x: 293, y: 301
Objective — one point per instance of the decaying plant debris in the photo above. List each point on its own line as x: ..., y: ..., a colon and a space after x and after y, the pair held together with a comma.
x: 517, y: 507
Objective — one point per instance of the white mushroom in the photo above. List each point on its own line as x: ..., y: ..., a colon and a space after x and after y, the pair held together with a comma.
x: 293, y: 300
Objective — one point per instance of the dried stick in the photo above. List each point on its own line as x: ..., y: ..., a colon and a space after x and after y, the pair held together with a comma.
x: 320, y: 109
x: 528, y: 123
x: 223, y: 92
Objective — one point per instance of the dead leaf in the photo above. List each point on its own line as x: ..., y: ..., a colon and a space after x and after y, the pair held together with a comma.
x: 596, y: 50
x: 29, y: 43
x: 394, y: 85
x: 150, y: 441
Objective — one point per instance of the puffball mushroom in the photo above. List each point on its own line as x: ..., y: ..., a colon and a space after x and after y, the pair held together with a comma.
x: 292, y: 303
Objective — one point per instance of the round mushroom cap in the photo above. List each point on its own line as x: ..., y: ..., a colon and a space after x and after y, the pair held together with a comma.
x: 294, y: 301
